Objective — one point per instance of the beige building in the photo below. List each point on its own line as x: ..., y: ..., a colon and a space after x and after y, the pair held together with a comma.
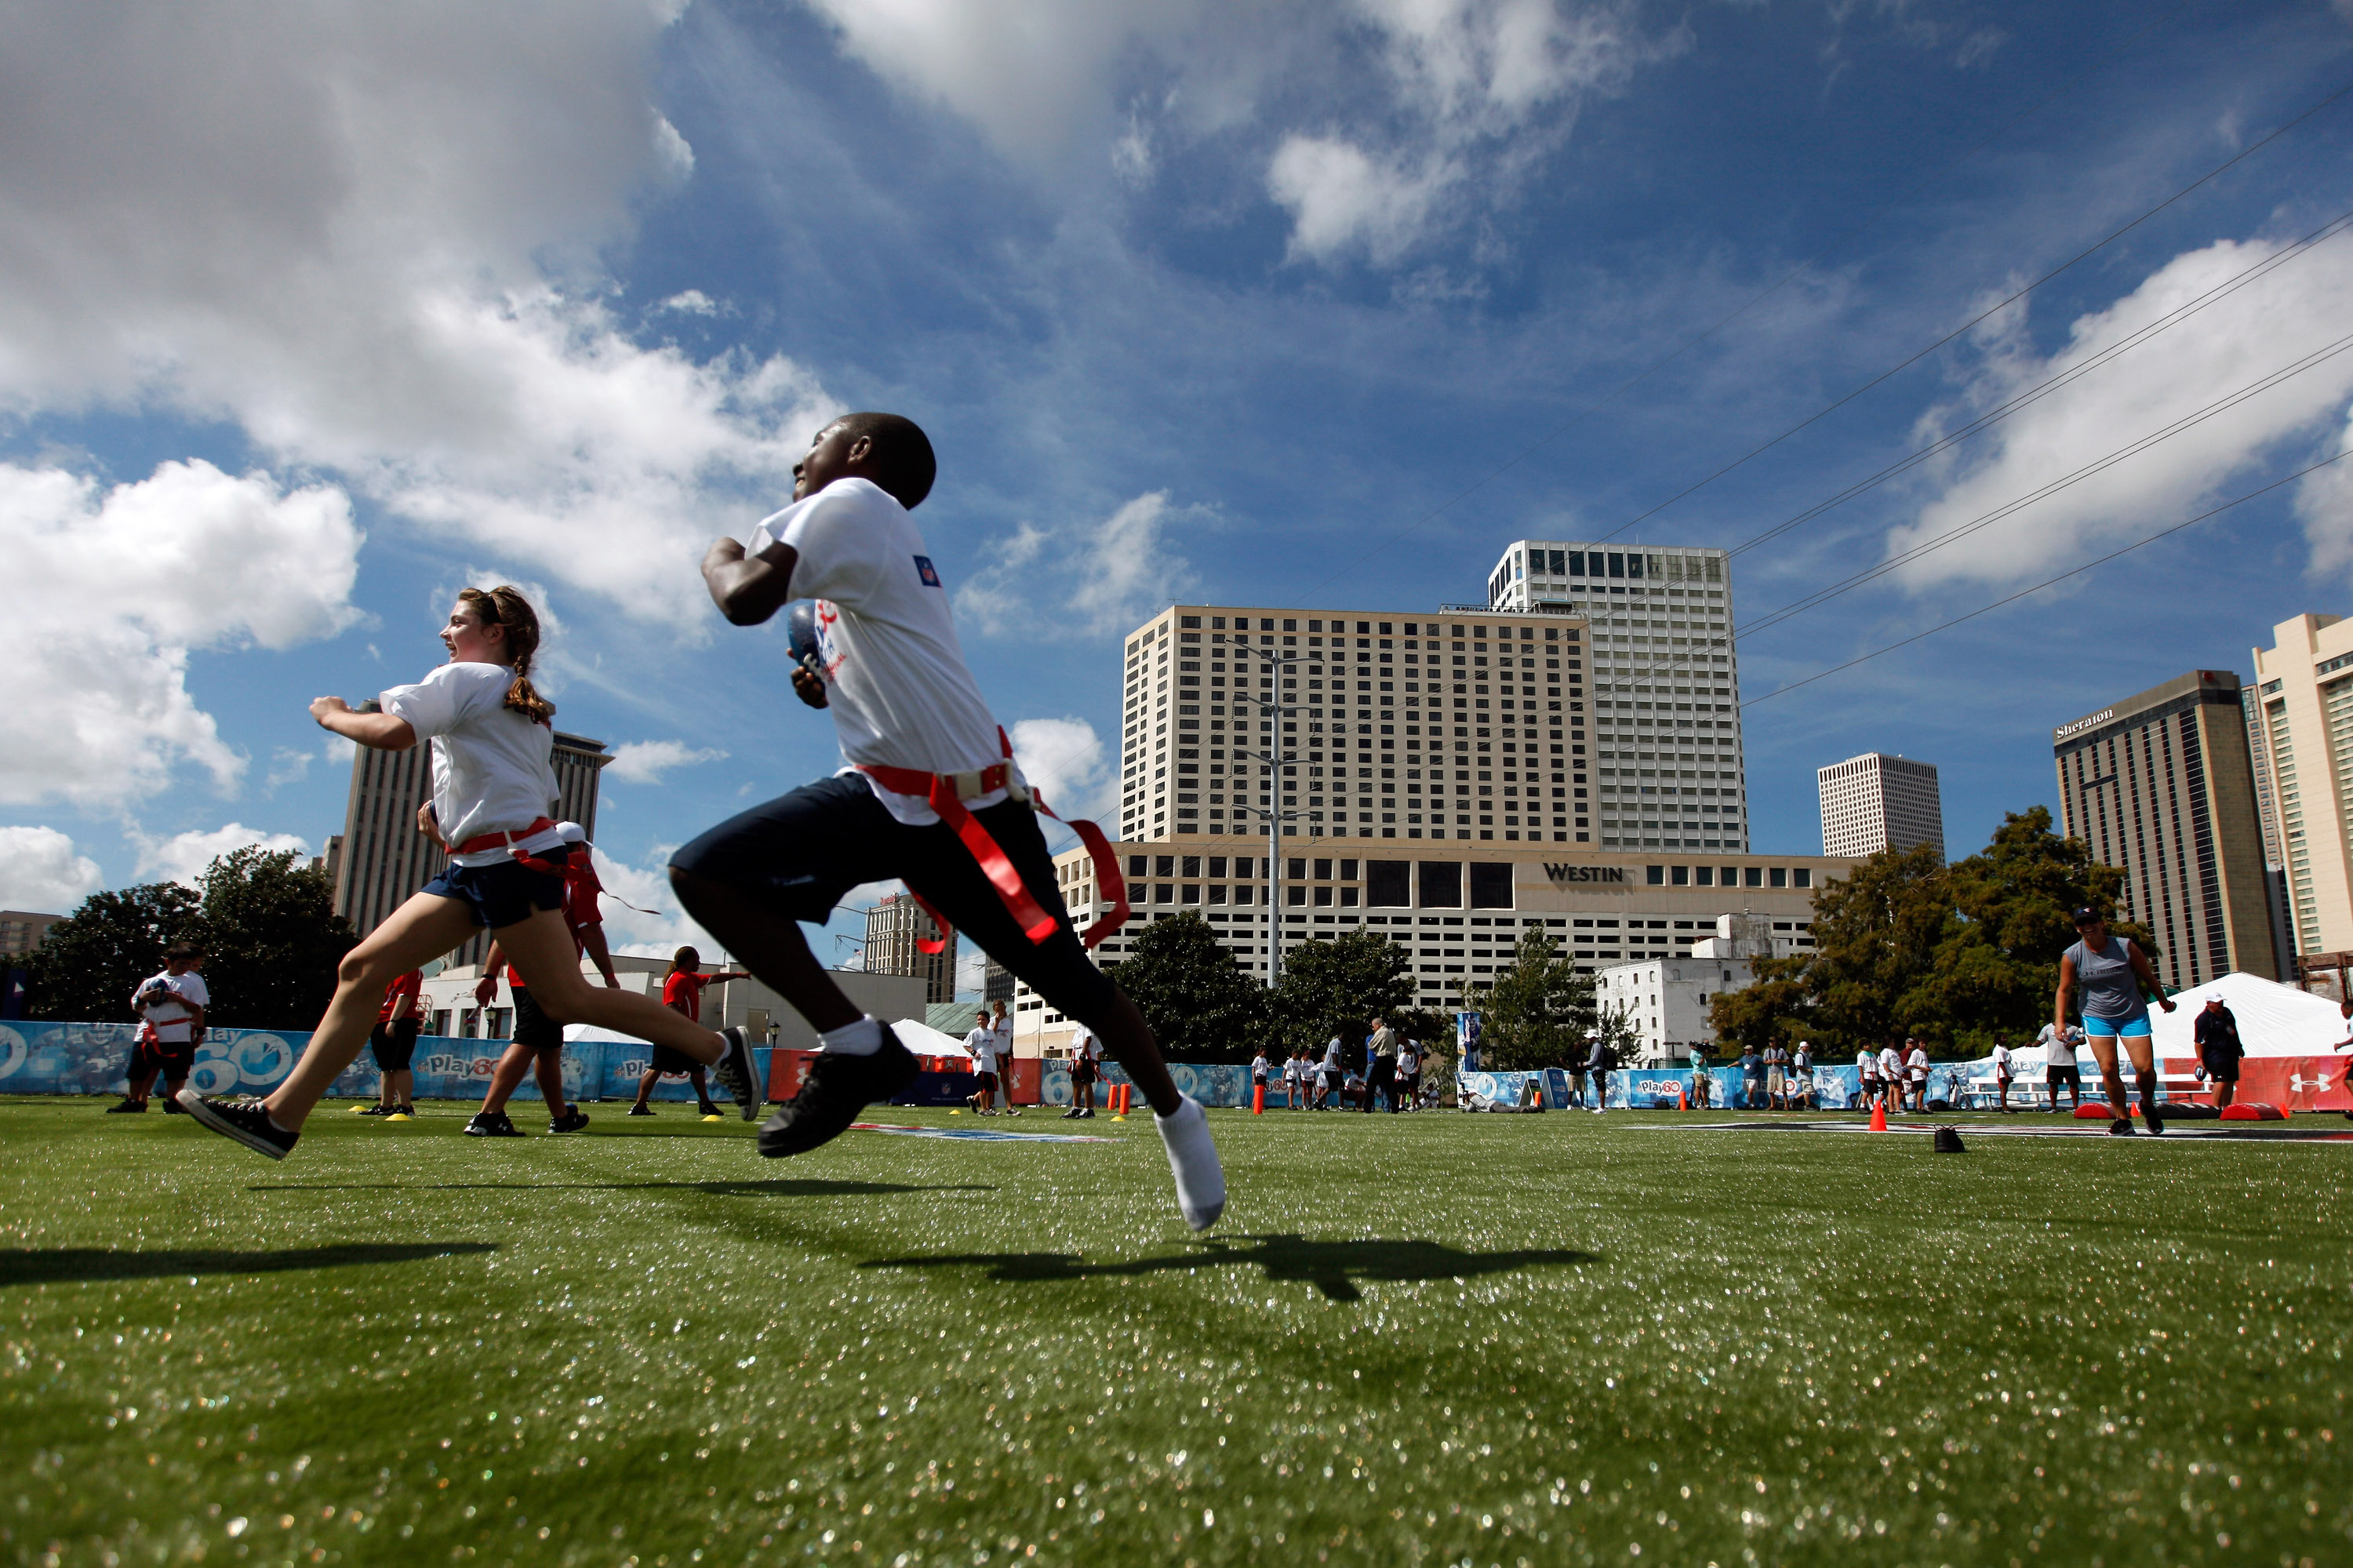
x: 893, y: 928
x: 1876, y: 801
x: 1661, y: 636
x: 1457, y: 910
x: 21, y: 930
x: 2303, y: 699
x: 2161, y: 787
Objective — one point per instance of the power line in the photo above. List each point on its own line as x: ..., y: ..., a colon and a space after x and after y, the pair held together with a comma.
x: 2013, y: 299
x: 2063, y: 576
x: 1757, y: 298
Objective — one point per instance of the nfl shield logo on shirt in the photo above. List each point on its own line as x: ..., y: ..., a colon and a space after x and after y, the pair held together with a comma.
x: 926, y: 570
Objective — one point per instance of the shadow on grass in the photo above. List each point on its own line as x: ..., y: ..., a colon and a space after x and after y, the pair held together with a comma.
x: 774, y: 1187
x: 79, y: 1264
x: 1333, y: 1268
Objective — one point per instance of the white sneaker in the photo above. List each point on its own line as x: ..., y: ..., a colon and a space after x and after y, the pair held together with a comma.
x: 1193, y: 1160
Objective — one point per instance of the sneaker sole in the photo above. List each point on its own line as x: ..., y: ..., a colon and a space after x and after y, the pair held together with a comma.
x: 739, y: 1051
x: 205, y: 1119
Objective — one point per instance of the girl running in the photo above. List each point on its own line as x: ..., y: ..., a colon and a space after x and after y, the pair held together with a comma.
x: 493, y: 788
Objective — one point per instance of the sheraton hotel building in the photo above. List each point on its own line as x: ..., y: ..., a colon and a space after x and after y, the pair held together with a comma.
x: 1566, y: 757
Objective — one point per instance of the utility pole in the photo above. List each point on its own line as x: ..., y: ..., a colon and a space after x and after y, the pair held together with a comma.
x: 1273, y: 760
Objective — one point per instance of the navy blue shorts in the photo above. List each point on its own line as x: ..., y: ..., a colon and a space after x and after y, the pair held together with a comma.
x: 503, y: 894
x: 802, y: 852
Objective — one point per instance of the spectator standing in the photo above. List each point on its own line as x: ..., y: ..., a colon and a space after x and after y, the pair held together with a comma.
x: 1086, y: 1053
x: 1576, y: 1081
x: 1407, y: 1086
x: 2218, y: 1048
x: 1598, y: 1059
x: 1703, y: 1084
x: 1752, y: 1077
x: 1801, y: 1076
x: 1891, y: 1076
x: 1000, y: 1023
x: 982, y: 1044
x: 1380, y: 1066
x: 1915, y: 1069
x: 2059, y: 1065
x: 2002, y: 1073
x: 1777, y: 1076
x: 172, y: 1006
x: 1262, y: 1070
x: 1328, y: 1082
x: 1866, y: 1074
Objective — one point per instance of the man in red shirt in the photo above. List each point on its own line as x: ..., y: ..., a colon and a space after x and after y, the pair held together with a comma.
x: 683, y: 992
x: 395, y: 1044
x: 538, y: 1046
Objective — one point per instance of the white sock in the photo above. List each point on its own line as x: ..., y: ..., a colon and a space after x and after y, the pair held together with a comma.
x: 862, y: 1038
x: 1193, y: 1160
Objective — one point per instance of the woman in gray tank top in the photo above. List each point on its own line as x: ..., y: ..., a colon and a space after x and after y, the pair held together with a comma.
x: 2109, y: 973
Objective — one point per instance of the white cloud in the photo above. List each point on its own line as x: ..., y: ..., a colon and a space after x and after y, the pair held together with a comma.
x: 367, y: 235
x: 1080, y: 579
x: 645, y: 761
x: 42, y: 873
x: 110, y: 592
x: 1339, y: 197
x: 691, y: 303
x: 2238, y: 340
x: 1063, y: 760
x: 182, y: 857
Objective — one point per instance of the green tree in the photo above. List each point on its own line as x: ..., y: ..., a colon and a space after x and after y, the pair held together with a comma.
x: 267, y: 923
x: 1535, y: 1012
x: 1776, y: 1007
x: 1335, y: 987
x: 93, y: 959
x: 1200, y: 1003
x: 273, y: 938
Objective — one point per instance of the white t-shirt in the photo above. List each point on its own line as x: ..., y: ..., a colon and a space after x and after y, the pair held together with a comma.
x: 1866, y: 1064
x: 1083, y: 1043
x: 1891, y: 1063
x: 170, y: 1018
x: 2001, y: 1060
x: 1917, y: 1062
x: 899, y: 694
x: 1002, y: 1029
x: 490, y: 772
x: 982, y: 1044
x: 1409, y: 1059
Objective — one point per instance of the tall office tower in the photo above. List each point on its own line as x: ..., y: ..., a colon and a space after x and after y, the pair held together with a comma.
x: 894, y: 928
x: 1468, y: 724
x: 2305, y: 694
x: 2160, y: 787
x: 1876, y: 801
x: 382, y: 858
x: 1661, y: 637
x: 2259, y: 752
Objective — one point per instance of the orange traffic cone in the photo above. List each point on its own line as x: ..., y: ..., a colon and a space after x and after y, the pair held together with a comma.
x: 1258, y: 1099
x: 1879, y: 1116
x: 1683, y: 1101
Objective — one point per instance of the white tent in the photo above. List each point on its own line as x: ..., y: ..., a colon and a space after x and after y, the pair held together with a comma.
x: 2274, y: 1020
x: 925, y: 1041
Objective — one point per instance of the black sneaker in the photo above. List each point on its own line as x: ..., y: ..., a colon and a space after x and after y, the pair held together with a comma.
x: 2122, y: 1127
x: 171, y: 1106
x: 641, y: 1110
x: 837, y: 1088
x: 377, y: 1110
x: 1071, y: 1114
x: 242, y: 1119
x: 128, y: 1108
x: 737, y: 1071
x: 572, y: 1121
x: 2149, y: 1114
x: 492, y: 1123
x: 1088, y: 1114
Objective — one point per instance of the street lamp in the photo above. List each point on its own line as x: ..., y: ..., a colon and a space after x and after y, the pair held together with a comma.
x: 1273, y: 760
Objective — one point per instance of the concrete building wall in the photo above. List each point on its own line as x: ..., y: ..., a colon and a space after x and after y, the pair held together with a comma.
x: 1876, y: 802
x: 2305, y: 695
x: 1666, y: 1002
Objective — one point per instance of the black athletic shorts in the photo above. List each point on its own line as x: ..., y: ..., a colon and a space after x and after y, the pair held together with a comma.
x: 394, y: 1044
x: 533, y: 1027
x: 671, y: 1060
x: 176, y: 1057
x: 2064, y: 1075
x: 803, y: 852
x: 2222, y: 1069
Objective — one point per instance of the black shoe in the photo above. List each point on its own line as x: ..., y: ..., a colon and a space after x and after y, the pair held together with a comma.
x: 2149, y: 1114
x: 837, y: 1088
x: 641, y: 1110
x: 171, y: 1106
x: 128, y: 1108
x: 377, y: 1110
x: 572, y: 1121
x: 1071, y: 1115
x: 492, y: 1123
x: 736, y: 1069
x: 2122, y: 1127
x: 242, y: 1119
x: 1088, y: 1114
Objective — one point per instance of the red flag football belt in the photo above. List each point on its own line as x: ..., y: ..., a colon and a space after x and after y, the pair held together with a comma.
x: 483, y: 843
x: 948, y: 792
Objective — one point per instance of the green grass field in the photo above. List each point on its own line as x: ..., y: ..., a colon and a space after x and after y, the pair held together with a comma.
x: 1423, y: 1339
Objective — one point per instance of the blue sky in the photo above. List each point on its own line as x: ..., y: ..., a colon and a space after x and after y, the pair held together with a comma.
x: 304, y: 325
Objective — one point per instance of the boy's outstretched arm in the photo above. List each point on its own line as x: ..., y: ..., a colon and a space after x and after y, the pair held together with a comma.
x: 748, y: 589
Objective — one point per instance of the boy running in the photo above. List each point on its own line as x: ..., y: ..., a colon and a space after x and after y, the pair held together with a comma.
x: 981, y: 1043
x: 683, y: 992
x: 931, y: 797
x: 394, y: 1044
x: 493, y: 787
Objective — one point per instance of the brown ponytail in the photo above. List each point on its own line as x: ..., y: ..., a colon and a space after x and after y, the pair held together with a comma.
x: 505, y: 605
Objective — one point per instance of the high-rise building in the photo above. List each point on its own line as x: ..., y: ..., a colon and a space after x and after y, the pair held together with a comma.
x: 895, y: 928
x: 1661, y: 637
x: 381, y: 859
x: 2160, y: 787
x: 21, y: 930
x: 996, y: 982
x: 2259, y: 752
x: 2304, y: 694
x: 1876, y: 801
